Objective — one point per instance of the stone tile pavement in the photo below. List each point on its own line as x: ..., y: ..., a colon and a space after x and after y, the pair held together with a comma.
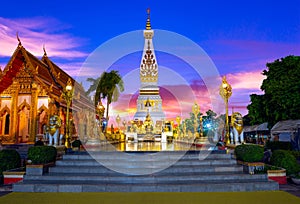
x: 291, y: 188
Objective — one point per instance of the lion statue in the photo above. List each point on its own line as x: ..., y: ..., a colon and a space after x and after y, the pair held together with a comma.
x: 53, y: 130
x: 237, y: 133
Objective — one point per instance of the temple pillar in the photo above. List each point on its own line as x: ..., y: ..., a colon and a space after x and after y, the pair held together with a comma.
x: 14, y: 112
x: 33, y: 119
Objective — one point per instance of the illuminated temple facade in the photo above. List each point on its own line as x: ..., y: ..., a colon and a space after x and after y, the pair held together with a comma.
x: 30, y: 89
x: 149, y: 99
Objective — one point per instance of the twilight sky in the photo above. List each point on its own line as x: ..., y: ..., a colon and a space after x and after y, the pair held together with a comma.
x: 240, y: 37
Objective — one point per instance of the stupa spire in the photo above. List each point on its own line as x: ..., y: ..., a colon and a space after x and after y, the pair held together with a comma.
x: 149, y: 101
x: 148, y: 24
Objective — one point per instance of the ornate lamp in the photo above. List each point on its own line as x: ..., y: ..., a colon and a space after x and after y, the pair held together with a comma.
x: 100, y: 111
x: 178, y: 120
x: 195, y: 111
x: 226, y: 92
x: 68, y: 94
x: 118, y: 120
x: 124, y: 124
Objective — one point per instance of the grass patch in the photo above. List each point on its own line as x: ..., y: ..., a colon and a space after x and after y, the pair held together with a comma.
x: 263, y: 197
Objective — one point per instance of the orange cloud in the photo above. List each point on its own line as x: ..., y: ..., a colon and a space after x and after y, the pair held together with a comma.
x: 246, y: 80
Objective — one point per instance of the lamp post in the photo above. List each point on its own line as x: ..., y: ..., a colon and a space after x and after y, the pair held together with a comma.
x: 201, y: 126
x: 68, y: 95
x: 118, y: 120
x: 100, y: 111
x: 178, y: 120
x: 196, y: 111
x: 124, y: 124
x: 226, y: 92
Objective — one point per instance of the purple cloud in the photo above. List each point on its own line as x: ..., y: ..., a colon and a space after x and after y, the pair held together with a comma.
x: 36, y: 32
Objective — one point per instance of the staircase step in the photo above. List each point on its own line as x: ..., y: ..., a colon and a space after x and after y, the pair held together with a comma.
x: 141, y: 163
x: 175, y: 169
x: 170, y: 179
x: 154, y: 156
x: 192, y: 187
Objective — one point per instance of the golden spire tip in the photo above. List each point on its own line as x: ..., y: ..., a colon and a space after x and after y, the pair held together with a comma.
x: 148, y: 24
x: 44, y: 49
x: 20, y: 44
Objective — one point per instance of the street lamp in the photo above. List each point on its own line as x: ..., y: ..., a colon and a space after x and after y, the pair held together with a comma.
x: 178, y: 120
x: 201, y: 126
x: 124, y: 124
x: 226, y: 92
x: 196, y: 111
x: 118, y: 120
x: 100, y: 111
x: 68, y: 94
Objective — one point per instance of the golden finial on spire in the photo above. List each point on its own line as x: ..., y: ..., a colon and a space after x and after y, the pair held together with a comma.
x: 148, y: 24
x: 20, y: 44
x: 45, y: 53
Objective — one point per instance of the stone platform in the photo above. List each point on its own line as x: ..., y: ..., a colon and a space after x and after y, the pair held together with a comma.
x: 80, y: 172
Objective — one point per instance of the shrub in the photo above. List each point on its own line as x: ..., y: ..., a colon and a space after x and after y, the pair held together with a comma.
x: 286, y: 160
x: 76, y: 143
x: 249, y: 152
x: 295, y: 153
x: 9, y: 159
x: 275, y: 145
x: 42, y: 154
x: 39, y: 143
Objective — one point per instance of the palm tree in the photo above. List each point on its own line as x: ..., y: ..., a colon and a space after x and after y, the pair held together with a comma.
x: 108, y: 85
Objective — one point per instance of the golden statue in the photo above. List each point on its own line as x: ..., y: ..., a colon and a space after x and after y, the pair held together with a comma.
x: 237, y: 133
x: 148, y: 120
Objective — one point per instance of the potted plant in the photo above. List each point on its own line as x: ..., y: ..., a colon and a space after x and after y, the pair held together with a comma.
x: 40, y: 158
x: 10, y: 166
x: 77, y: 144
x: 296, y: 178
x: 276, y: 173
x: 250, y: 156
x: 287, y: 163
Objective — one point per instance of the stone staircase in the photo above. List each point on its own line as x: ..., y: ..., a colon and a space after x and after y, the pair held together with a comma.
x: 218, y: 172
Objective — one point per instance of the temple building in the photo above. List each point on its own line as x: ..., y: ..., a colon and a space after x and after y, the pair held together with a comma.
x: 30, y: 90
x: 149, y: 100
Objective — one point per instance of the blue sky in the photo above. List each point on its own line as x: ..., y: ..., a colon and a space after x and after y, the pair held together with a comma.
x: 239, y: 36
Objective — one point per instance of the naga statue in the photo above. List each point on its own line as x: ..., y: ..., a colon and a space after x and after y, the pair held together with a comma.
x: 237, y: 133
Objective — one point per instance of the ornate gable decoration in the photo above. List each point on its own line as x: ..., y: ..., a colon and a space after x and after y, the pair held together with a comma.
x: 149, y: 71
x: 24, y: 77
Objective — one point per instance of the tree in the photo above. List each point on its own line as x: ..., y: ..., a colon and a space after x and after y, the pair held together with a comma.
x: 108, y: 85
x: 257, y: 110
x: 246, y: 120
x: 281, y: 99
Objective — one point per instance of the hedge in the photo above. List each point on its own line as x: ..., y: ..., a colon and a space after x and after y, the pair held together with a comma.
x: 42, y: 154
x: 284, y: 159
x: 9, y: 159
x: 249, y: 152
